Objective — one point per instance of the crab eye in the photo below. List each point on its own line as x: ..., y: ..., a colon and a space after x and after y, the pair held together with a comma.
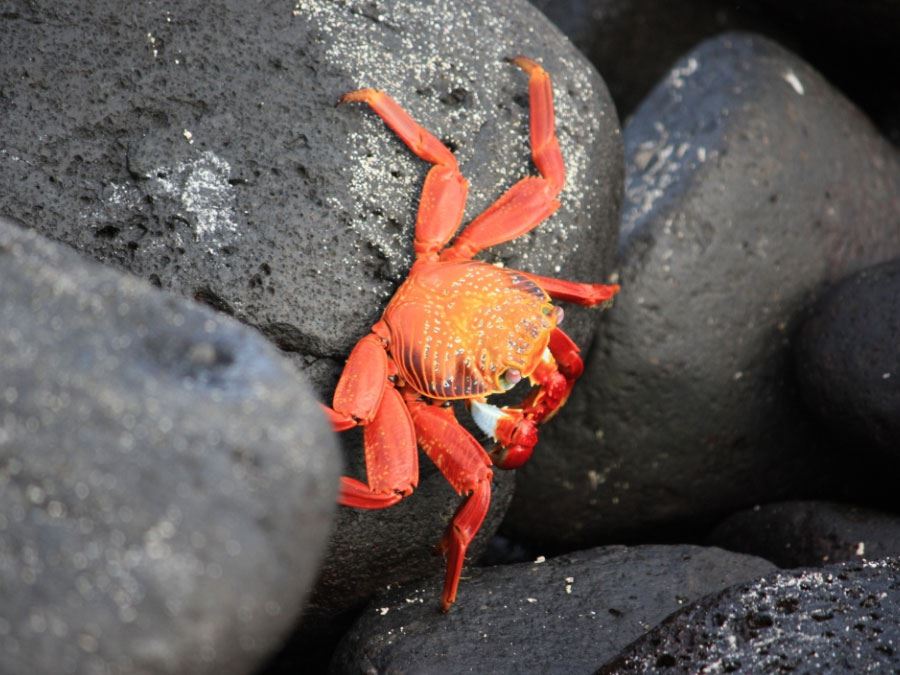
x: 560, y: 315
x: 510, y: 378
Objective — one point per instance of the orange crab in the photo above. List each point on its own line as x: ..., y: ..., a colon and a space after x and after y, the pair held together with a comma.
x: 459, y: 328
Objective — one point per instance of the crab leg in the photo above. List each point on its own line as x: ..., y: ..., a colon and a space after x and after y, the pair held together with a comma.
x: 362, y: 384
x: 443, y: 197
x: 466, y: 467
x: 365, y: 396
x: 533, y: 199
x: 587, y: 295
x: 544, y: 147
x: 555, y: 377
x: 392, y: 460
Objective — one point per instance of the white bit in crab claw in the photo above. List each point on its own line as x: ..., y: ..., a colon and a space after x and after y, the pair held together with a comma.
x: 486, y: 417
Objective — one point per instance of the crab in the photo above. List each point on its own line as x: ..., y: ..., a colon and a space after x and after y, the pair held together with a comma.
x: 461, y: 329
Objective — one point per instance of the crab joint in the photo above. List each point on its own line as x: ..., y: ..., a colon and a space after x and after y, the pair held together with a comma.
x: 516, y: 435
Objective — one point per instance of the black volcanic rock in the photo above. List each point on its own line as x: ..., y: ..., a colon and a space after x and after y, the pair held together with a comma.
x: 633, y: 43
x: 835, y: 620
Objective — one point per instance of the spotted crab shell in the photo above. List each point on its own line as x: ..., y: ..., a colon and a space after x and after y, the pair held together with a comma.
x: 456, y: 328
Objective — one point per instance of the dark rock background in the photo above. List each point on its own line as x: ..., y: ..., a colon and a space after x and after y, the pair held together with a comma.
x: 198, y: 146
x: 809, y: 534
x: 634, y: 43
x: 848, y: 362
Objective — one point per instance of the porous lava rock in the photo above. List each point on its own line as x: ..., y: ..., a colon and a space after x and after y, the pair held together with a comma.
x: 839, y: 619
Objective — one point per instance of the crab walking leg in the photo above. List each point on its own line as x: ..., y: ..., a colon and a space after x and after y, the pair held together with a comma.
x: 586, y: 295
x: 392, y: 459
x: 466, y: 467
x: 362, y: 383
x: 441, y: 209
x: 555, y: 377
x: 544, y: 146
x: 519, y: 210
x: 365, y: 396
x: 444, y: 193
x: 533, y: 199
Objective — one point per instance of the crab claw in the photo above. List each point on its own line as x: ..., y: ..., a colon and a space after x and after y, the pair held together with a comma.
x: 516, y: 435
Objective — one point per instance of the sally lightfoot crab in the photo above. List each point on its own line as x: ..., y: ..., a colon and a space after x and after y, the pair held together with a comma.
x: 459, y: 328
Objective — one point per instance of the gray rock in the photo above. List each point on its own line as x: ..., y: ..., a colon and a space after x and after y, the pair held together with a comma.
x: 565, y: 615
x: 848, y: 360
x: 751, y: 185
x: 839, y: 619
x: 167, y: 483
x: 807, y: 534
x: 199, y: 146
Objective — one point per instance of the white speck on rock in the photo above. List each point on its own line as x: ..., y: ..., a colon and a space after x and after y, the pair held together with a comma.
x: 676, y: 77
x: 791, y: 78
x: 202, y: 186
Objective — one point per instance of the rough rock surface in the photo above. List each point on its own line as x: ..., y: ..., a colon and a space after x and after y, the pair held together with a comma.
x: 198, y: 145
x: 848, y: 360
x: 807, y: 534
x: 751, y: 184
x: 167, y: 483
x: 836, y: 620
x: 564, y: 615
